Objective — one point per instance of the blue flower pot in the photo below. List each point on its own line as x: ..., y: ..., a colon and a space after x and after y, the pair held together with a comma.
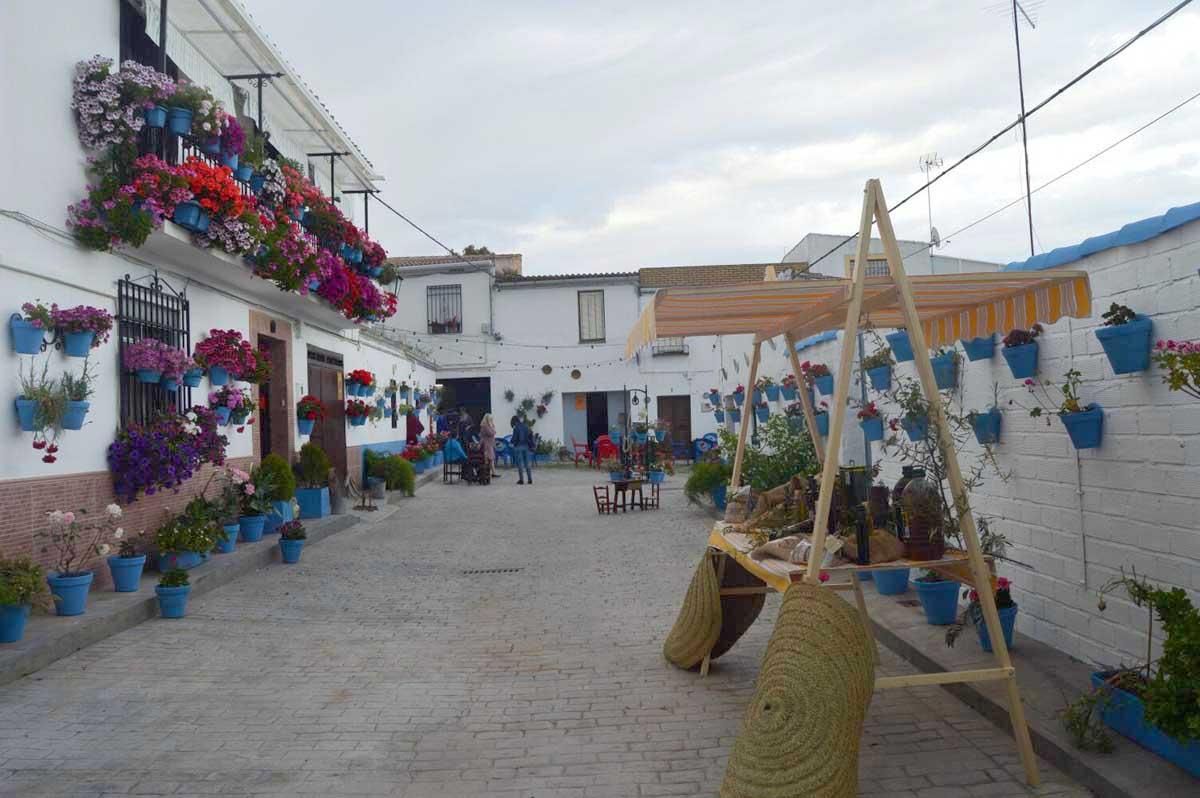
x: 250, y: 528
x: 872, y: 428
x: 203, y: 221
x: 375, y: 271
x: 735, y: 416
x: 987, y: 426
x: 945, y: 370
x: 916, y: 428
x: 1022, y: 360
x: 187, y: 214
x: 211, y: 147
x: 222, y: 415
x: 184, y: 560
x: 156, y: 116
x: 1127, y: 345
x: 27, y: 339
x: 126, y: 572
x: 891, y: 582
x: 78, y: 344
x: 825, y: 384
x: 192, y: 377
x: 314, y: 502
x: 719, y: 495
x: 257, y: 181
x: 281, y: 512
x: 74, y: 415
x: 228, y: 544
x: 179, y: 121
x: 658, y: 477
x: 314, y: 284
x: 289, y: 550
x: 772, y: 393
x: 149, y: 376
x: 358, y: 421
x: 615, y: 435
x: 230, y: 160
x: 218, y: 375
x: 12, y: 622
x: 1008, y: 620
x: 70, y: 592
x: 758, y: 396
x: 822, y: 420
x: 880, y: 377
x: 660, y: 435
x: 719, y: 415
x: 763, y: 413
x: 26, y: 412
x: 172, y: 601
x: 901, y: 346
x: 244, y: 173
x: 713, y: 398
x: 789, y: 394
x: 939, y: 600
x: 305, y: 425
x: 1125, y: 714
x: 168, y: 384
x: 864, y: 576
x: 1086, y: 427
x: 739, y: 399
x: 979, y: 348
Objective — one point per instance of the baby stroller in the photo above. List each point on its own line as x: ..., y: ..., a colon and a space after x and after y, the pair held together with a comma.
x: 475, y: 470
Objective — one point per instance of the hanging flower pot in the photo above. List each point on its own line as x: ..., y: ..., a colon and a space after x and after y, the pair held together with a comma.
x: 187, y: 214
x: 719, y: 415
x: 26, y: 411
x: 27, y: 338
x: 222, y: 415
x: 244, y: 173
x: 892, y: 581
x: 250, y: 528
x: 126, y: 572
x: 179, y: 121
x: 70, y: 592
x: 155, y: 116
x: 1127, y: 345
x: 822, y: 420
x: 172, y: 601
x: 772, y: 393
x: 169, y: 384
x: 257, y: 181
x: 211, y: 147
x: 1008, y: 621
x: 12, y: 622
x: 880, y: 377
x: 939, y: 600
x: 230, y: 160
x: 824, y: 384
x: 739, y: 398
x: 1086, y: 427
x: 192, y: 377
x: 901, y: 346
x: 714, y: 397
x: 872, y: 428
x: 79, y: 344
x: 735, y: 415
x: 916, y: 427
x: 758, y: 397
x: 986, y: 426
x: 358, y: 421
x: 719, y: 496
x: 218, y: 375
x: 1022, y: 360
x: 762, y: 413
x: 305, y: 425
x: 945, y: 370
x: 789, y: 393
x: 74, y: 415
x: 228, y: 544
x: 979, y: 348
x: 149, y: 376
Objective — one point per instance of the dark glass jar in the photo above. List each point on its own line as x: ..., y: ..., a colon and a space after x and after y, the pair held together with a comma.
x: 922, y: 502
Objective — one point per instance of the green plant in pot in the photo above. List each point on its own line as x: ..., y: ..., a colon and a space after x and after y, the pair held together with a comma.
x: 184, y: 541
x: 291, y: 541
x: 22, y: 586
x: 276, y: 471
x: 707, y: 480
x: 256, y: 504
x: 173, y: 590
x: 41, y: 404
x: 313, y: 472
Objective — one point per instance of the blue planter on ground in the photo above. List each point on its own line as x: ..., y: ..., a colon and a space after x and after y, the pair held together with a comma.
x: 179, y: 121
x: 148, y: 376
x: 1008, y: 620
x: 789, y: 394
x: 185, y: 560
x: 244, y: 173
x: 822, y: 420
x: 228, y: 544
x: 891, y: 582
x: 616, y: 476
x: 172, y: 601
x: 222, y: 415
x: 358, y: 421
x: 156, y: 116
x: 230, y: 160
x: 250, y: 528
x: 1125, y: 714
x: 12, y: 622
x: 70, y: 592
x: 719, y: 495
x: 27, y: 339
x: 192, y: 377
x: 305, y: 425
x: 772, y: 393
x: 290, y: 550
x: 872, y: 428
x: 169, y: 385
x: 26, y: 411
x: 939, y: 600
x: 78, y: 344
x: 126, y: 572
x: 218, y: 375
x: 825, y: 384
x: 1085, y: 428
x: 980, y: 348
x: 187, y: 214
x: 1022, y: 360
x: 658, y: 477
x: 945, y: 370
x: 916, y: 428
x: 1127, y: 345
x: 735, y: 416
x: 763, y: 414
x: 880, y: 377
x: 257, y: 181
x: 719, y: 415
x: 901, y: 346
x: 74, y: 415
x: 987, y: 426
x: 739, y: 398
x: 281, y: 512
x: 314, y: 502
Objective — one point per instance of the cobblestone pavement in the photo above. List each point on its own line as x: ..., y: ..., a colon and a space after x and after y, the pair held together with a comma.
x: 378, y: 667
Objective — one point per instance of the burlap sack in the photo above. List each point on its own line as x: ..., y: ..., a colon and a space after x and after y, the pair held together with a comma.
x: 740, y: 506
x: 885, y: 547
x: 777, y: 549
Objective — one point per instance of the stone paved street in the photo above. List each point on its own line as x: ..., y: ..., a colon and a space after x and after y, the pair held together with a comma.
x: 377, y: 667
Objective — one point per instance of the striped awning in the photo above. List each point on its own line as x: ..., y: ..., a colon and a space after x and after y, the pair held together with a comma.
x: 950, y: 306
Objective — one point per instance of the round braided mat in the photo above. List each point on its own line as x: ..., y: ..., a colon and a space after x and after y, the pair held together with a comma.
x: 699, y: 621
x: 801, y: 732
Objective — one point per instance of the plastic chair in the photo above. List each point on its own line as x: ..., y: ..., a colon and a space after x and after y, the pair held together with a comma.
x: 582, y: 451
x: 504, y: 452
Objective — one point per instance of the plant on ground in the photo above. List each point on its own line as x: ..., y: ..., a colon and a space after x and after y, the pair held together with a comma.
x: 292, y: 530
x: 276, y: 470
x: 73, y: 538
x: 22, y: 582
x: 313, y: 468
x: 176, y: 577
x: 973, y: 614
x: 396, y: 472
x: 705, y: 478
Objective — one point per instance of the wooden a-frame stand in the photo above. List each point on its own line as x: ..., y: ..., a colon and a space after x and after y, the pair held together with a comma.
x: 875, y: 212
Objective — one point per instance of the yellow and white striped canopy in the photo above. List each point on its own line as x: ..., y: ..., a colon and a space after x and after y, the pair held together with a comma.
x: 950, y: 306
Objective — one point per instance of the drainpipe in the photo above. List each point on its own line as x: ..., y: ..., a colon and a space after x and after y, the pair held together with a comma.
x: 1078, y: 471
x: 162, y: 37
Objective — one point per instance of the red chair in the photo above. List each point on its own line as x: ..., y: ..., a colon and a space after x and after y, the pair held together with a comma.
x: 606, y: 449
x: 582, y: 451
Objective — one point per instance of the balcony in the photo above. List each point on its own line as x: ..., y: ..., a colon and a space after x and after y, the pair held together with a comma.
x: 669, y: 346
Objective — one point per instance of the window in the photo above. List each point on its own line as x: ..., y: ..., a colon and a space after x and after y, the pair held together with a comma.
x: 150, y: 311
x: 877, y: 266
x: 444, y: 308
x: 673, y: 345
x: 591, y: 317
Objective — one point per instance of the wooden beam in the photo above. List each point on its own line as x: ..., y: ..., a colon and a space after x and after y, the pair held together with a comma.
x: 861, y: 603
x: 943, y: 677
x: 739, y: 457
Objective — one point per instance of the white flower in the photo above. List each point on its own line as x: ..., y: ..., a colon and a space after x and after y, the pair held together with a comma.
x: 113, y: 510
x: 119, y: 533
x: 56, y: 517
x: 103, y: 549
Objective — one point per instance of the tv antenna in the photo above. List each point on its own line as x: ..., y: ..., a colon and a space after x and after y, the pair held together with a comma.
x: 929, y: 162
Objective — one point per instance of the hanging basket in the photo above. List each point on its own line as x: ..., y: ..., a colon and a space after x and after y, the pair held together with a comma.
x: 980, y: 348
x: 901, y: 346
x: 1085, y: 428
x: 987, y: 426
x: 880, y: 377
x: 945, y: 370
x: 763, y: 413
x: 1022, y: 360
x: 872, y: 428
x: 916, y: 428
x: 772, y: 393
x: 825, y: 384
x: 1127, y: 345
x: 822, y: 420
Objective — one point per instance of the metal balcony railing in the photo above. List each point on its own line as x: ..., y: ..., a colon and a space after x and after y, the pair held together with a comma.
x: 669, y: 346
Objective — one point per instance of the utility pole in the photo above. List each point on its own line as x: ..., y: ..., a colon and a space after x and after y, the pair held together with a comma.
x: 1018, y: 9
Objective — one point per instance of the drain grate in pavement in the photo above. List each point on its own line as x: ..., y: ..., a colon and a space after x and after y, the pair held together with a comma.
x: 492, y: 571
x: 909, y: 603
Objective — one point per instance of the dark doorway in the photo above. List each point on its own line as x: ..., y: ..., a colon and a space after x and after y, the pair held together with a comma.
x: 597, y: 416
x: 273, y: 402
x: 677, y: 411
x: 325, y: 383
x: 473, y: 393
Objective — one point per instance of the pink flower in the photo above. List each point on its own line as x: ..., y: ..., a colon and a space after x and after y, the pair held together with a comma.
x: 69, y: 517
x: 249, y: 488
x: 1002, y: 583
x: 824, y: 576
x: 1028, y: 383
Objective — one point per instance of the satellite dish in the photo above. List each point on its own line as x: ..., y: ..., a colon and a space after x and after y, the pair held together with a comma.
x: 935, y: 238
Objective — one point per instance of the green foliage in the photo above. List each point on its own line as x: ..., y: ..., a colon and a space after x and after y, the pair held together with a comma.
x: 705, y: 477
x: 394, y: 470
x: 78, y: 389
x: 547, y: 446
x: 176, y: 577
x: 253, y: 151
x: 314, y: 466
x: 877, y: 359
x: 1117, y: 315
x: 782, y: 453
x: 474, y: 250
x: 283, y: 481
x: 187, y: 532
x: 1082, y: 722
x: 22, y: 582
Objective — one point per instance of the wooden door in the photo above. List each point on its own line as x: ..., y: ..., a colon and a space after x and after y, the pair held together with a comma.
x: 325, y: 383
x: 274, y: 434
x: 677, y: 410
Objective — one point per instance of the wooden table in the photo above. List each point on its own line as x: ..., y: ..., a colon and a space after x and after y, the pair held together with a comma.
x: 630, y: 489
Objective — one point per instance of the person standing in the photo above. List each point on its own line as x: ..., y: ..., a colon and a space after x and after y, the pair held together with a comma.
x: 487, y: 439
x: 522, y: 443
x: 413, y: 428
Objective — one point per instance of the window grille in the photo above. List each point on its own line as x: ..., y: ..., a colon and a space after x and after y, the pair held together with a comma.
x: 444, y: 308
x: 877, y: 266
x: 672, y: 345
x: 591, y: 317
x: 150, y: 311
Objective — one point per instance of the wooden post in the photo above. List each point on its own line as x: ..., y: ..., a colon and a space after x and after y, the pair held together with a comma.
x: 987, y: 598
x: 810, y: 418
x: 736, y: 480
x: 842, y: 388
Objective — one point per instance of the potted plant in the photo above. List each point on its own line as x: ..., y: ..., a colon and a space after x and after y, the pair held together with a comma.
x: 739, y: 395
x: 821, y: 417
x: 276, y: 473
x: 979, y: 348
x: 227, y: 507
x: 871, y: 422
x: 291, y: 541
x: 900, y: 345
x: 1126, y: 338
x: 891, y: 581
x: 787, y: 388
x: 614, y: 467
x: 29, y: 327
x: 719, y: 415
x: 939, y: 598
x: 819, y: 375
x: 172, y: 590
x: 256, y: 504
x: 765, y: 386
x: 126, y: 565
x: 185, y: 541
x: 1085, y: 425
x: 986, y: 425
x: 1181, y: 361
x: 1021, y: 351
x: 878, y: 367
x: 74, y: 539
x: 356, y: 412
x: 709, y: 479
x: 762, y: 411
x: 190, y: 105
x: 713, y: 396
x: 661, y: 427
x: 83, y: 328
x: 233, y: 141
x: 22, y: 585
x: 313, y: 472
x: 914, y: 416
x: 230, y: 404
x: 360, y: 382
x: 945, y: 368
x: 795, y: 416
x: 175, y: 363
x: 225, y: 354
x: 76, y: 392
x: 309, y: 410
x: 41, y: 405
x: 165, y: 452
x: 973, y: 615
x: 146, y: 357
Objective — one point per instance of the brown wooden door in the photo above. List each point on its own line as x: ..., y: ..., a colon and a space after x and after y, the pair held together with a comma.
x: 274, y: 434
x: 678, y: 411
x: 325, y: 383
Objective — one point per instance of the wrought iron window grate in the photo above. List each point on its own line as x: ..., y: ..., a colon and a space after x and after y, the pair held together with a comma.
x: 444, y: 308
x: 157, y: 311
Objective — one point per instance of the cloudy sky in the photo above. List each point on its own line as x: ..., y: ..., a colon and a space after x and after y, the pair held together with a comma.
x: 606, y: 136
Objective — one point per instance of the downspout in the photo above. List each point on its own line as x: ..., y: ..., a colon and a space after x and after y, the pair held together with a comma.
x: 1078, y: 470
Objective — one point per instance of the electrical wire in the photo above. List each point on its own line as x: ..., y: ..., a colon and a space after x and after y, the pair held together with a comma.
x: 426, y: 233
